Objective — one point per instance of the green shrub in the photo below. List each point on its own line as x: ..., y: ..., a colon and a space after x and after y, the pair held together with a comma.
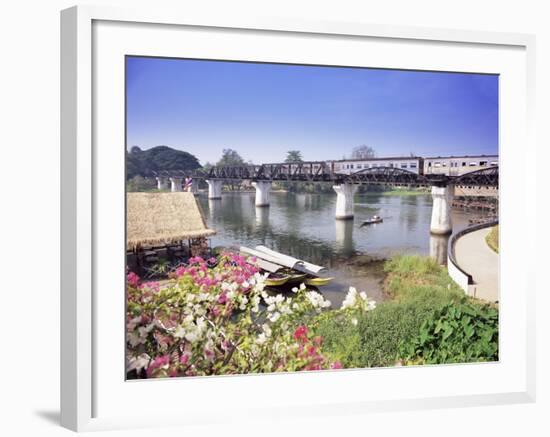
x: 420, y: 289
x: 375, y: 340
x: 492, y: 238
x: 461, y: 333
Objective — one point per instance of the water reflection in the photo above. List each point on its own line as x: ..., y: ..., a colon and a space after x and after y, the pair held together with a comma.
x: 214, y: 208
x: 438, y: 248
x: 344, y: 237
x: 262, y: 216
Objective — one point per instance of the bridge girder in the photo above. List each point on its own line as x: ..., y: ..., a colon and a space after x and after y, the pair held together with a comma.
x: 324, y: 172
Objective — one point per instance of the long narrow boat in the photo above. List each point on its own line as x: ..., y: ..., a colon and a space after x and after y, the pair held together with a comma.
x: 318, y: 282
x: 296, y: 279
x: 276, y: 280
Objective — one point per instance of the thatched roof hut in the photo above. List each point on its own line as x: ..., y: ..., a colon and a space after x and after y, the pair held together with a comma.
x: 162, y: 218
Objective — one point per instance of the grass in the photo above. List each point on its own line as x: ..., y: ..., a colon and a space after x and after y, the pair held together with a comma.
x: 418, y: 287
x: 406, y: 192
x: 492, y: 238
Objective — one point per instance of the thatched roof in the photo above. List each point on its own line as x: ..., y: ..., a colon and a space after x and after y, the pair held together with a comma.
x: 159, y: 218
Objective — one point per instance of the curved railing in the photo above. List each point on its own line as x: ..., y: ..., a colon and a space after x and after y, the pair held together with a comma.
x: 461, y: 277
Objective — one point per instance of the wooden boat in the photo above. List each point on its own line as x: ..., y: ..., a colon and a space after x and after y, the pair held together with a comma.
x: 318, y: 282
x: 296, y: 278
x: 276, y: 280
x: 374, y: 219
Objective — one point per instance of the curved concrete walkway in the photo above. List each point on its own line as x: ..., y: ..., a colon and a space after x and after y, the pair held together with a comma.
x: 474, y: 256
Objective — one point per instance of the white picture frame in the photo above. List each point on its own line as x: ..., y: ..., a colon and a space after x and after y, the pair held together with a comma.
x: 84, y: 319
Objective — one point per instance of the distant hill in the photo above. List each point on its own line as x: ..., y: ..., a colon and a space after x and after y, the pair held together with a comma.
x: 145, y: 162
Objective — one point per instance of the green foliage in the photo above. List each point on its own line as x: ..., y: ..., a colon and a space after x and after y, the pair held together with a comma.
x: 139, y: 183
x: 455, y: 334
x: 421, y: 291
x: 230, y: 157
x: 145, y: 162
x: 363, y: 152
x: 293, y: 156
x: 375, y: 340
x: 416, y: 278
x: 492, y: 238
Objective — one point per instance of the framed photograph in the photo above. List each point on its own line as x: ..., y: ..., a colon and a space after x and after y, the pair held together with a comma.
x: 300, y: 218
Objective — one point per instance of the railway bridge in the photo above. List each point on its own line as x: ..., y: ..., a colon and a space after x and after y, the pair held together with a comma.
x: 345, y: 185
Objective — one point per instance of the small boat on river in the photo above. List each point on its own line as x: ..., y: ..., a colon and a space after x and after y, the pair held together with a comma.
x: 374, y: 219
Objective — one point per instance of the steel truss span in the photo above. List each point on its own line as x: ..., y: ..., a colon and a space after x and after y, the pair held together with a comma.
x: 324, y: 172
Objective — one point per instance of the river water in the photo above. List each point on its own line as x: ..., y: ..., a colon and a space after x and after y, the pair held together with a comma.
x: 303, y: 226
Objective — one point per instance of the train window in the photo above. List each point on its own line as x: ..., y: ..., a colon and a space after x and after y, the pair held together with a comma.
x: 404, y: 165
x: 429, y: 164
x: 463, y: 164
x: 437, y: 164
x: 494, y: 163
x: 412, y: 165
x: 473, y: 164
x: 359, y: 166
x: 482, y: 163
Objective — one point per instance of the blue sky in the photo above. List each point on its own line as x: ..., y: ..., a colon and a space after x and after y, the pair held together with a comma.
x: 264, y: 110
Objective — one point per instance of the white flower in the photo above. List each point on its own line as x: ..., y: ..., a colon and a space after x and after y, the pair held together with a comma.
x: 317, y: 300
x: 262, y: 338
x: 138, y: 362
x: 274, y: 316
x: 350, y: 299
x: 267, y: 329
x: 354, y: 322
x: 363, y: 295
x: 179, y: 332
x: 191, y: 337
x: 134, y: 339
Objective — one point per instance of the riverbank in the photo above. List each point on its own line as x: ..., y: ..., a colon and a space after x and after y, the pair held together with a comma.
x: 406, y: 329
x: 398, y: 192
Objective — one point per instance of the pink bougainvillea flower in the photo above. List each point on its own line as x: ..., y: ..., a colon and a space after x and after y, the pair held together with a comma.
x: 301, y: 333
x: 184, y: 359
x: 222, y: 298
x: 158, y: 363
x: 336, y: 365
x: 133, y: 279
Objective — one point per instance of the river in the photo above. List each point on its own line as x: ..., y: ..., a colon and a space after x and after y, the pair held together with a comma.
x: 303, y: 225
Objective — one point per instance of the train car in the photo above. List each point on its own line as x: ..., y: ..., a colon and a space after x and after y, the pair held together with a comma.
x: 414, y: 164
x: 458, y: 165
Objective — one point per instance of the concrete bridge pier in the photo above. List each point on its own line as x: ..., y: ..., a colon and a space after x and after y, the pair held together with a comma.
x: 344, y: 200
x: 214, y: 189
x: 441, y: 223
x: 175, y: 184
x: 162, y: 183
x: 263, y: 189
x: 193, y: 188
x: 438, y: 248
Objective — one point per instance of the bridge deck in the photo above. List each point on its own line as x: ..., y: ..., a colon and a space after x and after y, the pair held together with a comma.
x: 324, y: 172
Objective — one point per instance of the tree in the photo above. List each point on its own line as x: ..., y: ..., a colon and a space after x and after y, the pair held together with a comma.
x: 363, y: 152
x: 293, y: 156
x: 145, y: 162
x: 230, y: 157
